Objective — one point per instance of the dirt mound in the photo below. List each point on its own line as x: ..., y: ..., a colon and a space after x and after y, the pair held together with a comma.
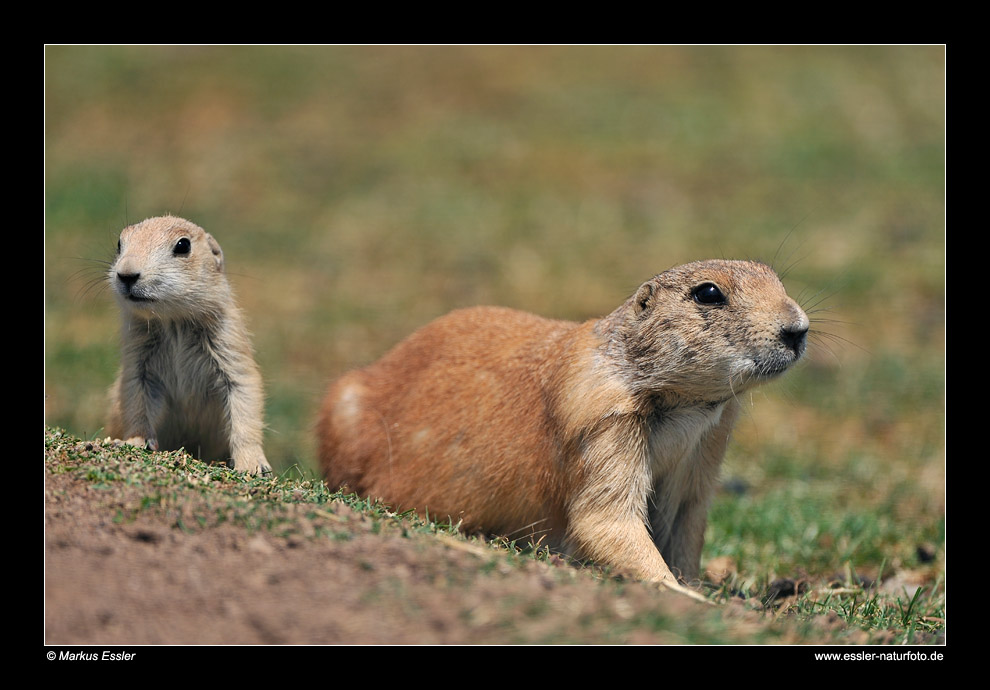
x: 158, y: 548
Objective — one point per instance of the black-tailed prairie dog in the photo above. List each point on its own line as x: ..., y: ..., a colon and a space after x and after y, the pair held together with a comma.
x: 604, y: 437
x: 187, y: 377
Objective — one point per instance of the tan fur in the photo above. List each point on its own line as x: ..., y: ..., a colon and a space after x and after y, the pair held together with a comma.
x: 604, y: 438
x: 188, y: 377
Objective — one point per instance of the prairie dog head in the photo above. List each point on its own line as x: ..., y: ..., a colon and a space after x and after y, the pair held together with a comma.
x: 706, y: 331
x: 168, y: 268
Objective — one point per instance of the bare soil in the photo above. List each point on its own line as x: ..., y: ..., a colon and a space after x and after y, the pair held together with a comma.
x: 142, y: 579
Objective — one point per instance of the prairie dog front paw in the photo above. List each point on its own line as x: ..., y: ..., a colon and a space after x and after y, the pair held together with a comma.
x: 142, y: 442
x: 252, y: 461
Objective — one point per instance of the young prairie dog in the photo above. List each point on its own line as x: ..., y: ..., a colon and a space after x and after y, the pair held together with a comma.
x: 605, y: 438
x: 188, y: 377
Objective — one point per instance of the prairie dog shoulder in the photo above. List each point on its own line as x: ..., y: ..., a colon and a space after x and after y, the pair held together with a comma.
x: 603, y: 438
x: 187, y: 377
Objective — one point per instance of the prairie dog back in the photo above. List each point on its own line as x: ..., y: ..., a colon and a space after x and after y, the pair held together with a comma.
x: 603, y: 438
x: 188, y: 377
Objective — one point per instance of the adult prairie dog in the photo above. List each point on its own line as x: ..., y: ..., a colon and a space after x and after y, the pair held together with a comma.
x: 188, y: 377
x: 604, y: 438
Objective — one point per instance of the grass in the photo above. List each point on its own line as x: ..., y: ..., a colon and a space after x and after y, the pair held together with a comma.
x: 360, y: 191
x: 192, y: 496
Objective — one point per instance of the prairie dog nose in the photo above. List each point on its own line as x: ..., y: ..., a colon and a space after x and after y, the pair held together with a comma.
x: 128, y: 279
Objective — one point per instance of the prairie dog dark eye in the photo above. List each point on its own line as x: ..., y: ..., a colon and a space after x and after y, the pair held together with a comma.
x: 708, y: 293
x: 182, y: 246
x: 118, y: 246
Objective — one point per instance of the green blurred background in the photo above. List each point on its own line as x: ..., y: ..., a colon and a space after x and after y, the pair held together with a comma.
x: 359, y: 192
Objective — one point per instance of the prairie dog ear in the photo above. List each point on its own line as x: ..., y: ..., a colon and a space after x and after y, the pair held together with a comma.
x: 217, y: 252
x: 643, y: 298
